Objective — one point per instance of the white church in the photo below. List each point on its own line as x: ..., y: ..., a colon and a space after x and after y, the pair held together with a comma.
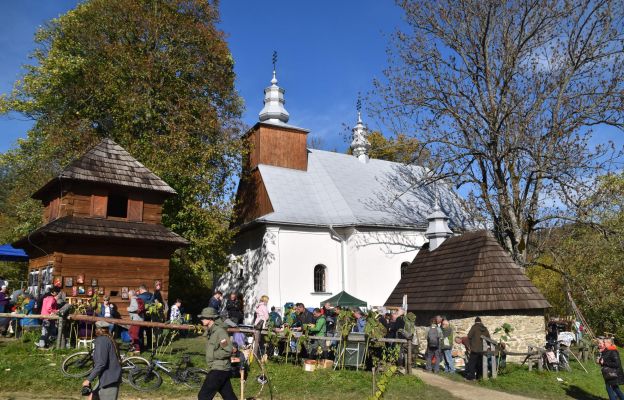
x: 313, y: 223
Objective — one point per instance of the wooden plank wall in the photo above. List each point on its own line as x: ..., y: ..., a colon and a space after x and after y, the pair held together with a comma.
x: 281, y: 147
x: 84, y: 201
x: 129, y: 267
x: 252, y: 199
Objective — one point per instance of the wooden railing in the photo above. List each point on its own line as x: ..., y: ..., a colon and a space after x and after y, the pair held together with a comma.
x: 148, y: 324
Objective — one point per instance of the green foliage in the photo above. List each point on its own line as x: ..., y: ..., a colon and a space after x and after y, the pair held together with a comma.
x: 506, y: 329
x: 588, y: 258
x: 387, y: 365
x: 401, y: 148
x: 157, y: 77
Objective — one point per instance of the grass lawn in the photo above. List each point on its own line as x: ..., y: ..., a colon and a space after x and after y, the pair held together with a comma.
x: 576, y: 384
x: 25, y: 371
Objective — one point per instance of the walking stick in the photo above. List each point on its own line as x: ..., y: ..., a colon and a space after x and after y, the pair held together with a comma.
x: 242, y: 380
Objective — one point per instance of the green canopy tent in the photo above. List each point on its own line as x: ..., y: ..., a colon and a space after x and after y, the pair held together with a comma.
x: 344, y: 299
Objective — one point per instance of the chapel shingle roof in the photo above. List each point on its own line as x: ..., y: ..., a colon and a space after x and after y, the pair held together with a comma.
x: 470, y: 272
x: 109, y: 163
x: 105, y: 228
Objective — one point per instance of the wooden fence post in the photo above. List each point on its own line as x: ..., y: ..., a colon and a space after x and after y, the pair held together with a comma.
x: 408, y: 368
x: 59, y: 333
x: 494, y: 364
x: 484, y: 363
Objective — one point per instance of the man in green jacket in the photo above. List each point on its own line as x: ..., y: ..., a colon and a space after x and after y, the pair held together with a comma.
x: 319, y: 328
x: 218, y: 352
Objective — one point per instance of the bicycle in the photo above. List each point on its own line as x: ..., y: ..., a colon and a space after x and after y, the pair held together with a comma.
x: 147, y: 378
x: 80, y: 364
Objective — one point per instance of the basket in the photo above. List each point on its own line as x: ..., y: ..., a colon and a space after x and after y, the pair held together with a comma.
x: 309, y: 365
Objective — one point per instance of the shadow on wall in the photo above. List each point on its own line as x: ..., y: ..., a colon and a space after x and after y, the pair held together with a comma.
x: 244, y: 272
x: 410, y: 194
x: 392, y: 243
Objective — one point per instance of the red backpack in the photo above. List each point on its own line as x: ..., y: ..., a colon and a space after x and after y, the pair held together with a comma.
x: 140, y: 306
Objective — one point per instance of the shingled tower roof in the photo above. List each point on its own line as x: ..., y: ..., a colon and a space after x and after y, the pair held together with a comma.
x: 471, y: 272
x: 109, y: 163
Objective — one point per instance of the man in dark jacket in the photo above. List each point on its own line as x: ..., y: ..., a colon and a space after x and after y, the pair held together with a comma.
x: 218, y: 353
x: 475, y: 361
x: 216, y: 301
x: 106, y: 365
x: 611, y: 368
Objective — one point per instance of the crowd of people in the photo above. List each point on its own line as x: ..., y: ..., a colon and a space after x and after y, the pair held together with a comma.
x: 224, y: 357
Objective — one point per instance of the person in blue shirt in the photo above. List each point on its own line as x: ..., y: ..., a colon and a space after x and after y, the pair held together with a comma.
x: 29, y: 306
x: 360, y: 321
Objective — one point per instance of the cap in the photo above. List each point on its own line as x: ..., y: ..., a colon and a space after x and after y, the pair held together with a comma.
x: 102, y: 324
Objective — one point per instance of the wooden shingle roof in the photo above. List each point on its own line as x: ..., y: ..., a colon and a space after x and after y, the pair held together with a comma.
x: 105, y: 228
x: 471, y: 272
x: 109, y: 163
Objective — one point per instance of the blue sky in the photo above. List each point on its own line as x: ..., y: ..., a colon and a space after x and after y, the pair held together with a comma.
x: 328, y: 52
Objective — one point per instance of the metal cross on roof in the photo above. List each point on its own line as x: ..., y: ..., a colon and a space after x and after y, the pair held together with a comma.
x: 274, y: 59
x: 358, y: 105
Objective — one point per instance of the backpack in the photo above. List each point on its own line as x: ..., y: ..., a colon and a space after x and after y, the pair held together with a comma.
x: 433, y: 337
x: 140, y: 306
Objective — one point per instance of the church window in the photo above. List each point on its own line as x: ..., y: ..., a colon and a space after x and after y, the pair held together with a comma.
x: 404, y: 266
x: 319, y: 278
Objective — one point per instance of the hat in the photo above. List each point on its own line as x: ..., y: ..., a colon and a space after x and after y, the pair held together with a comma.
x: 208, y: 313
x: 101, y: 324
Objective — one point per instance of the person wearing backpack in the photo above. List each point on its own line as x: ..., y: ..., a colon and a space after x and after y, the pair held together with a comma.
x: 433, y: 354
x: 148, y: 299
x: 447, y: 346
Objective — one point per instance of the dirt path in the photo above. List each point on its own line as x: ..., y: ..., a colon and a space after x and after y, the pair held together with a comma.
x: 466, y: 391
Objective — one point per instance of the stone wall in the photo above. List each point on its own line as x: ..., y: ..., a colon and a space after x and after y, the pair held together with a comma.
x: 529, y: 329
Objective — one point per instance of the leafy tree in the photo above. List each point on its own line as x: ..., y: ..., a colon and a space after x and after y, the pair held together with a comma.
x: 504, y: 95
x: 157, y: 77
x: 400, y: 148
x: 587, y: 260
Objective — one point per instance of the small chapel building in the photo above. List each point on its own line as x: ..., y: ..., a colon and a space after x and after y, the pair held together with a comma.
x: 102, y: 232
x: 464, y: 276
x: 313, y: 223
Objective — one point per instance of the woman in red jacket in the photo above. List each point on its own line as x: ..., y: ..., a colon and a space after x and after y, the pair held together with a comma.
x: 611, y: 368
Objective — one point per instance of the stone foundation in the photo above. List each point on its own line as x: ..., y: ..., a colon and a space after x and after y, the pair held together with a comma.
x: 529, y: 329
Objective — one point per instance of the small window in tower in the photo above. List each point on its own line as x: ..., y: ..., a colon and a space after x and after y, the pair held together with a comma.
x: 117, y: 206
x: 404, y: 266
x: 319, y: 278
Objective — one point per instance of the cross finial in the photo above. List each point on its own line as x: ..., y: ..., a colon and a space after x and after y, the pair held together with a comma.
x: 358, y: 105
x: 274, y: 59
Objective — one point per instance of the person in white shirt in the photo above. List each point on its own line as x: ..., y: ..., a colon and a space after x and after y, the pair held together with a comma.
x: 175, y: 315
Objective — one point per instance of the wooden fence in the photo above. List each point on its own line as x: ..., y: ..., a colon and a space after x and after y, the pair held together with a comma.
x: 148, y: 324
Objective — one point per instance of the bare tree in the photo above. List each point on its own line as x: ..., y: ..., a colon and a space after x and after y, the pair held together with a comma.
x: 504, y: 95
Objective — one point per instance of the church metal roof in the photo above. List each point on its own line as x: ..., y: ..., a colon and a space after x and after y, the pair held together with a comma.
x: 338, y: 189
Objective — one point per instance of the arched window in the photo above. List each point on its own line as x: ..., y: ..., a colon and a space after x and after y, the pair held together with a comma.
x: 319, y: 278
x: 404, y: 266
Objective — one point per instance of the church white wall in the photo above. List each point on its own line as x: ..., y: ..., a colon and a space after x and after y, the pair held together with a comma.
x: 375, y: 258
x: 279, y: 262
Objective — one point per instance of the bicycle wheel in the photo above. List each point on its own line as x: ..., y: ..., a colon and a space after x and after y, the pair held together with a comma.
x: 195, y: 377
x: 130, y: 364
x: 564, y: 363
x: 78, y: 364
x: 144, y: 379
